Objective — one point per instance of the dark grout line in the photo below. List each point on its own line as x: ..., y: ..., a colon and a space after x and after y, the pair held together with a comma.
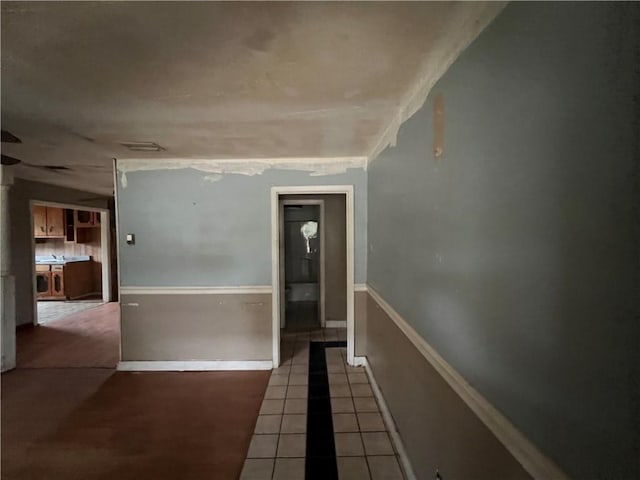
x: 321, y: 460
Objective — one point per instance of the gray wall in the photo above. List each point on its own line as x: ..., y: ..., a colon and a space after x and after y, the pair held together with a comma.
x: 516, y: 254
x: 193, y: 232
x: 438, y: 429
x: 336, y: 257
x: 21, y: 233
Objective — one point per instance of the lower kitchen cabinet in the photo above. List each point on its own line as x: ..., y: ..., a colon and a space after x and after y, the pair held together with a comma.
x: 78, y: 279
x: 57, y: 281
x: 43, y: 284
x: 69, y: 281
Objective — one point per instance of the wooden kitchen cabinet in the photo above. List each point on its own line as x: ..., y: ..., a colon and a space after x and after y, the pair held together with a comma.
x: 55, y: 222
x: 48, y: 222
x: 86, y: 219
x: 78, y: 279
x: 59, y: 282
x: 39, y: 221
x: 43, y: 284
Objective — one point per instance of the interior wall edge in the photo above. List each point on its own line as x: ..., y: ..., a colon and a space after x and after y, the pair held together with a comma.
x: 537, y: 464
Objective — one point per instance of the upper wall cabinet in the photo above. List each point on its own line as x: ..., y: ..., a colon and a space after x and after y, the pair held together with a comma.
x: 48, y: 222
x: 87, y: 219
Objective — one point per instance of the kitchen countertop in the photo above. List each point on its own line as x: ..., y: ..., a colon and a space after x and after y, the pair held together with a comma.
x: 60, y: 260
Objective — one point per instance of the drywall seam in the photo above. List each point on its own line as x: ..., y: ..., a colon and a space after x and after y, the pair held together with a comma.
x: 216, y: 168
x: 523, y: 450
x: 471, y: 19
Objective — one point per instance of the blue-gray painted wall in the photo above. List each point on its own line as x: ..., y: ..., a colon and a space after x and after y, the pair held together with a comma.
x: 193, y: 232
x: 516, y: 254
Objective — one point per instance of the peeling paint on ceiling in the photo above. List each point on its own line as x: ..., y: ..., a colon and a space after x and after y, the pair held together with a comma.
x: 250, y: 167
x: 218, y: 80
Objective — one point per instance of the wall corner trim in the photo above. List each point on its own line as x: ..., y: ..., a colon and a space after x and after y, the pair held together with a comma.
x: 524, y: 451
x: 226, y: 290
x: 360, y: 287
x: 407, y: 469
x: 193, y: 365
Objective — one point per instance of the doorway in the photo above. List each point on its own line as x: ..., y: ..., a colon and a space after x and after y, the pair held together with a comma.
x: 312, y: 265
x: 71, y: 255
x: 302, y: 243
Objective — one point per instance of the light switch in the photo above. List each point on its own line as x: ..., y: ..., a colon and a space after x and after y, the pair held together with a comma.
x: 131, y: 239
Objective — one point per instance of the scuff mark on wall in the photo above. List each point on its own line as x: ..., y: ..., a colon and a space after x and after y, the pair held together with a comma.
x: 438, y: 126
x: 218, y: 168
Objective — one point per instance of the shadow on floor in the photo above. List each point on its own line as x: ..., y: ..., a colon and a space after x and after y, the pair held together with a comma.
x: 94, y: 423
x: 90, y: 338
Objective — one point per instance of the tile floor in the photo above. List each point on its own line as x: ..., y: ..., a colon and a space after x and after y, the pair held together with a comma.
x: 278, y: 449
x: 49, y: 311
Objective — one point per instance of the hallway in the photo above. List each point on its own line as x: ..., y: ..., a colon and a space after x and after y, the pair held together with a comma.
x: 319, y: 418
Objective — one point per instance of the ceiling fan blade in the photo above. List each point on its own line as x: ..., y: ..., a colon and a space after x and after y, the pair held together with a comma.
x: 48, y: 168
x: 9, y: 137
x: 8, y: 161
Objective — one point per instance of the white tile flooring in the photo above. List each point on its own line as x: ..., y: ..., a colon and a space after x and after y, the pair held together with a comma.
x: 51, y: 310
x: 363, y: 446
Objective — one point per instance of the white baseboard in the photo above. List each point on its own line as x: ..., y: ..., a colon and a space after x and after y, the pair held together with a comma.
x: 407, y: 469
x: 359, y: 361
x: 335, y: 324
x: 193, y: 365
x: 360, y: 287
x: 526, y: 453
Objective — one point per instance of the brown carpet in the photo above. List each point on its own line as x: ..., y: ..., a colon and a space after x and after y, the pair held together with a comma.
x: 95, y: 424
x: 85, y: 339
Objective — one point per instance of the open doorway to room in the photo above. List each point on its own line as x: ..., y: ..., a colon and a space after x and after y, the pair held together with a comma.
x: 303, y: 265
x: 76, y: 324
x: 71, y: 261
x: 313, y: 269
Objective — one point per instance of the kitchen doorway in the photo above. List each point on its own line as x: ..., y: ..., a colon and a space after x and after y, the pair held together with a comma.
x: 71, y: 252
x: 312, y: 266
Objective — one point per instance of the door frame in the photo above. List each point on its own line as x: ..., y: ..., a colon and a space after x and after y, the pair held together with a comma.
x: 276, y: 215
x: 321, y: 280
x: 105, y: 247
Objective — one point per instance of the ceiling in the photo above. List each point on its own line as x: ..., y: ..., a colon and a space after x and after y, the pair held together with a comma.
x: 233, y: 80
